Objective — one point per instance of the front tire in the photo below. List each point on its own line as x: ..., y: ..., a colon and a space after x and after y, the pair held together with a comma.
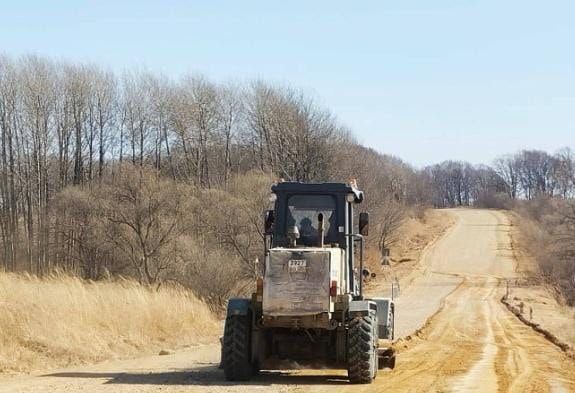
x: 362, y: 349
x: 236, y: 352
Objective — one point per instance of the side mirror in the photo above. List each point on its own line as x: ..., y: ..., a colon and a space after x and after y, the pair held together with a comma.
x: 364, y: 224
x: 269, y: 222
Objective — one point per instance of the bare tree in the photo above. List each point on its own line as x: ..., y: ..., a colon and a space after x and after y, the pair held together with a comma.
x: 508, y: 168
x: 9, y: 214
x: 230, y: 114
x: 564, y: 172
x: 390, y: 216
x: 106, y: 105
x: 143, y: 219
x: 38, y: 103
x: 137, y: 109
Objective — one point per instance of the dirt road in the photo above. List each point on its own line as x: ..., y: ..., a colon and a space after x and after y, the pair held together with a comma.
x: 467, y: 341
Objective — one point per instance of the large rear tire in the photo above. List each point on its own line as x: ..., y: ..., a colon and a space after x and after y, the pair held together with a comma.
x: 236, y: 352
x: 362, y: 349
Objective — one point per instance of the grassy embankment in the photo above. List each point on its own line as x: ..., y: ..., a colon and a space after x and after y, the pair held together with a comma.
x: 61, y: 320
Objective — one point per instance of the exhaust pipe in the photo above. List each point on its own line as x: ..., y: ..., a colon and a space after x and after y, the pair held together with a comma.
x: 320, y: 230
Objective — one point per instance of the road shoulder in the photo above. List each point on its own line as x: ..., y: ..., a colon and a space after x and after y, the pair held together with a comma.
x: 535, y: 301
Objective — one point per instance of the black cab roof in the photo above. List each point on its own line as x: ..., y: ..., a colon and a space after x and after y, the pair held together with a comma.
x: 318, y: 188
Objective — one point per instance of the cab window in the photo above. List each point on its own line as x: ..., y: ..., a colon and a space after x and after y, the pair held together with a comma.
x: 303, y: 212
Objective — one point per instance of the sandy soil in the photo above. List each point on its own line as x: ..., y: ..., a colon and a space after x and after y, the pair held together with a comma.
x: 457, y: 336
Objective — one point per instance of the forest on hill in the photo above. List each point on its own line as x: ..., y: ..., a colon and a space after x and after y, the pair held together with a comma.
x: 161, y: 179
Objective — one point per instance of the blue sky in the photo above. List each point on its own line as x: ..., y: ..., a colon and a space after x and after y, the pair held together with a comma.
x: 423, y: 80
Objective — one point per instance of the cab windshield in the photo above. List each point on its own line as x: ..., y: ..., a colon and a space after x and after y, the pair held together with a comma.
x: 303, y: 212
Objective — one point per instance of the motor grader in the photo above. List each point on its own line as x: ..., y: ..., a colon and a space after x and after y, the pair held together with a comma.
x: 309, y: 304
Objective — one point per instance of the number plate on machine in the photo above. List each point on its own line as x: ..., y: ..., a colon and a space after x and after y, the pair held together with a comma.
x: 297, y: 266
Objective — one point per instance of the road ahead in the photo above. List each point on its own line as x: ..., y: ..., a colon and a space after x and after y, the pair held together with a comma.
x: 465, y: 341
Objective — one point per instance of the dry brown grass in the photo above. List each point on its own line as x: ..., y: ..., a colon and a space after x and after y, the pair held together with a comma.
x: 416, y: 232
x: 62, y: 320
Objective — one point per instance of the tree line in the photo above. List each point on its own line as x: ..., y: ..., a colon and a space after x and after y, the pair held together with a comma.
x: 142, y: 175
x: 163, y: 179
x: 527, y: 174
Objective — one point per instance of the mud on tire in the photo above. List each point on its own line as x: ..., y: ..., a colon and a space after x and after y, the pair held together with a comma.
x: 361, y: 349
x: 236, y: 351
